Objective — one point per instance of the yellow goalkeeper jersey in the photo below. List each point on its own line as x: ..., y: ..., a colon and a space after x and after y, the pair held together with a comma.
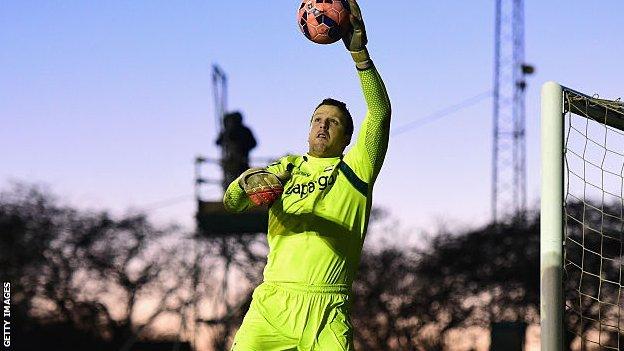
x: 317, y: 227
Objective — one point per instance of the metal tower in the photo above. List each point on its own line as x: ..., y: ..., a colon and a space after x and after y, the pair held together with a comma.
x: 509, y: 149
x: 219, y: 90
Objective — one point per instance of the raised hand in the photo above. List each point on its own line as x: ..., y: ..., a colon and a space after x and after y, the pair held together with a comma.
x: 355, y: 39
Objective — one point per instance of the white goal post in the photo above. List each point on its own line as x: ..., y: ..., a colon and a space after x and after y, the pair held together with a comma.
x: 582, y: 221
x: 551, y: 218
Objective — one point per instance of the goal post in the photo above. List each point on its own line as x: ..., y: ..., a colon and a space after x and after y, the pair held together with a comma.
x: 582, y: 221
x: 551, y: 218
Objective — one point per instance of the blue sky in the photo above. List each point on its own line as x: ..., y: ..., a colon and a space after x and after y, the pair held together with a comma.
x: 108, y: 102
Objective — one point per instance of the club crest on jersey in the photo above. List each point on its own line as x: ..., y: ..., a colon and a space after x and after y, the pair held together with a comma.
x: 304, y: 189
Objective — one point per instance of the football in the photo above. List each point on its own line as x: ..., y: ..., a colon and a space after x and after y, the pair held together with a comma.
x: 323, y: 21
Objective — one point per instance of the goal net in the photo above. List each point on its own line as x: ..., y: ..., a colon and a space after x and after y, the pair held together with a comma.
x: 582, y: 297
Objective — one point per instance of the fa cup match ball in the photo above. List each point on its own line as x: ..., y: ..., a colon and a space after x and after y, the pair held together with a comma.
x: 323, y: 21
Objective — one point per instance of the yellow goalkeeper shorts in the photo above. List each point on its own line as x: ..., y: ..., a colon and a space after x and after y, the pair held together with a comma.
x: 290, y: 316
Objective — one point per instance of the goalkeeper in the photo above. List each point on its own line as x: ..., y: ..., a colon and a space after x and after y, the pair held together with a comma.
x: 319, y: 210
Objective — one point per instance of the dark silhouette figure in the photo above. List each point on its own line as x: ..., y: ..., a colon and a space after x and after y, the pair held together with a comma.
x: 237, y: 141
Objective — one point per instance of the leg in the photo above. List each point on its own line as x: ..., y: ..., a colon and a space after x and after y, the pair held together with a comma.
x: 257, y: 334
x: 336, y: 335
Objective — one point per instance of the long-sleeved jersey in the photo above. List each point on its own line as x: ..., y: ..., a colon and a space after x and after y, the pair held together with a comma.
x: 317, y: 227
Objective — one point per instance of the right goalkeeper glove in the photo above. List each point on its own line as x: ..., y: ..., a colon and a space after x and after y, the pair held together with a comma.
x: 355, y: 39
x: 261, y: 186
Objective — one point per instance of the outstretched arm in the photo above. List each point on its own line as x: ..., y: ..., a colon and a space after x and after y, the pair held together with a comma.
x: 375, y: 131
x: 372, y: 141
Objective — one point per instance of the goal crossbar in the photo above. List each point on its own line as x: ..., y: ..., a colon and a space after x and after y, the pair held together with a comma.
x: 603, y: 111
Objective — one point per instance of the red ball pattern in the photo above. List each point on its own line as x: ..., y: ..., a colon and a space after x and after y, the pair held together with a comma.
x: 323, y: 21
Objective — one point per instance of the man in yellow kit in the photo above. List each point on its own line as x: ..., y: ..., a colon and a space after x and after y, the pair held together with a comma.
x: 319, y: 205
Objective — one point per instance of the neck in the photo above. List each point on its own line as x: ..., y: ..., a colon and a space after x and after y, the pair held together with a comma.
x: 322, y: 155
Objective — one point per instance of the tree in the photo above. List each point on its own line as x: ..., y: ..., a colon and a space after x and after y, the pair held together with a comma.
x: 77, y: 277
x: 239, y: 261
x: 409, y: 298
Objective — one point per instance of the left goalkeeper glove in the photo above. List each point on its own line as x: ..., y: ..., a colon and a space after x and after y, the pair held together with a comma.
x: 261, y: 186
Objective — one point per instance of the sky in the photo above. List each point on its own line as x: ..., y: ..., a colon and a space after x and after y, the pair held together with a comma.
x: 109, y: 102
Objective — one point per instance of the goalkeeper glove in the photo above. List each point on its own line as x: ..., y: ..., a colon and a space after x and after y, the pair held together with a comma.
x: 261, y: 186
x: 355, y: 39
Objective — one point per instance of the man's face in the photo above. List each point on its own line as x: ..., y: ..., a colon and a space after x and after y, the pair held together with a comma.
x: 327, y: 132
